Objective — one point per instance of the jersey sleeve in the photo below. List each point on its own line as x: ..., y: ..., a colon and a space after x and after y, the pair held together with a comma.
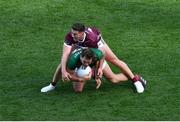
x: 73, y: 59
x: 68, y: 39
x: 100, y: 41
x: 71, y: 63
x: 98, y: 53
x: 95, y: 30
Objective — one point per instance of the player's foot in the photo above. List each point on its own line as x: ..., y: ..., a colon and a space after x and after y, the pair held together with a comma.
x: 48, y: 88
x: 139, y: 79
x: 142, y: 80
x: 139, y: 87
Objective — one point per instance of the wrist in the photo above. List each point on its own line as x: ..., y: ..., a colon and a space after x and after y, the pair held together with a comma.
x: 80, y: 80
x: 63, y: 70
x: 100, y: 68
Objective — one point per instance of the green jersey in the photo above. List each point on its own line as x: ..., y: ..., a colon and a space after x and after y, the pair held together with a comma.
x: 74, y: 58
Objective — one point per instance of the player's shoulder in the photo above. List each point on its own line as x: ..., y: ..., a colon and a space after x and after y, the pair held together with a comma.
x: 98, y: 53
x: 68, y: 35
x: 96, y: 50
x: 68, y: 38
x: 92, y: 30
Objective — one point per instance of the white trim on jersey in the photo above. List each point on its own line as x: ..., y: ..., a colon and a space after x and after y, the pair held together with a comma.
x: 89, y: 29
x: 84, y: 37
x: 67, y: 45
x: 100, y: 44
x: 104, y: 64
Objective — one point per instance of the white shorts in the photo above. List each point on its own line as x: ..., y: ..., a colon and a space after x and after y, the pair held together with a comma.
x: 104, y: 64
x: 101, y: 43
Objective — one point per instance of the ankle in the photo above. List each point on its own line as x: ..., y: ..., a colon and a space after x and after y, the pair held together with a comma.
x: 135, y: 78
x: 53, y: 83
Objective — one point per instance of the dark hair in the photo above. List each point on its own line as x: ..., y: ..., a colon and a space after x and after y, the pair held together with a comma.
x: 87, y: 53
x: 78, y: 27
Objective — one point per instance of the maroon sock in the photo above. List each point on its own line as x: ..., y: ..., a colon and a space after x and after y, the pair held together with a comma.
x: 136, y: 78
x: 53, y: 83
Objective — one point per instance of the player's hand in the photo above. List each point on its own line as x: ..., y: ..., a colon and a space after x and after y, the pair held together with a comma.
x: 88, y: 77
x: 98, y: 83
x: 66, y: 76
x: 99, y: 73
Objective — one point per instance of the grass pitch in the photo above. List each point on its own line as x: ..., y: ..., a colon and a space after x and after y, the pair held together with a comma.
x: 143, y: 33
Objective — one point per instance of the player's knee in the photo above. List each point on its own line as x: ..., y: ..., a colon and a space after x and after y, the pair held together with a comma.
x: 113, y: 80
x: 78, y: 90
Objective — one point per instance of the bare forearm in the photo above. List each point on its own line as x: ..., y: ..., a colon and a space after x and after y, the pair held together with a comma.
x: 75, y: 78
x: 102, y: 59
x: 101, y: 63
x: 63, y: 62
x: 66, y: 52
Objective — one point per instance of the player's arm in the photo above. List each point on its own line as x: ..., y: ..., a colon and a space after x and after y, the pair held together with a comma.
x: 65, y: 55
x: 101, y: 47
x: 75, y: 78
x: 99, y: 64
x: 96, y: 78
x: 100, y: 67
x: 98, y: 83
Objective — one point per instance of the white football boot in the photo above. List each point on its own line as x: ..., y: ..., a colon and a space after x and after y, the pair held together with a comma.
x: 139, y: 87
x: 48, y: 88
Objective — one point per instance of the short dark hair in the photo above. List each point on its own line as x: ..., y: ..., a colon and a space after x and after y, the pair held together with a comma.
x: 78, y: 27
x: 87, y: 53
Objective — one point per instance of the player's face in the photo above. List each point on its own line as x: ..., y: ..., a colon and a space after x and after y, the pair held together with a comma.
x: 85, y: 62
x: 78, y: 36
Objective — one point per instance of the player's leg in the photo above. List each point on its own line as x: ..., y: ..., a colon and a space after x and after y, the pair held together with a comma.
x: 112, y: 58
x: 114, y: 78
x: 58, y: 74
x: 56, y: 77
x: 136, y: 79
x: 78, y: 86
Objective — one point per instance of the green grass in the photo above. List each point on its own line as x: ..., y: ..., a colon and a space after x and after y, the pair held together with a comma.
x: 143, y: 33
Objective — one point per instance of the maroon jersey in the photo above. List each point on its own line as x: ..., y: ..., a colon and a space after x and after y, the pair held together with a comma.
x: 92, y: 37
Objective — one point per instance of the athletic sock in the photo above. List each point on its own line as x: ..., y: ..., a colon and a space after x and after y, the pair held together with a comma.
x: 136, y: 78
x: 53, y: 83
